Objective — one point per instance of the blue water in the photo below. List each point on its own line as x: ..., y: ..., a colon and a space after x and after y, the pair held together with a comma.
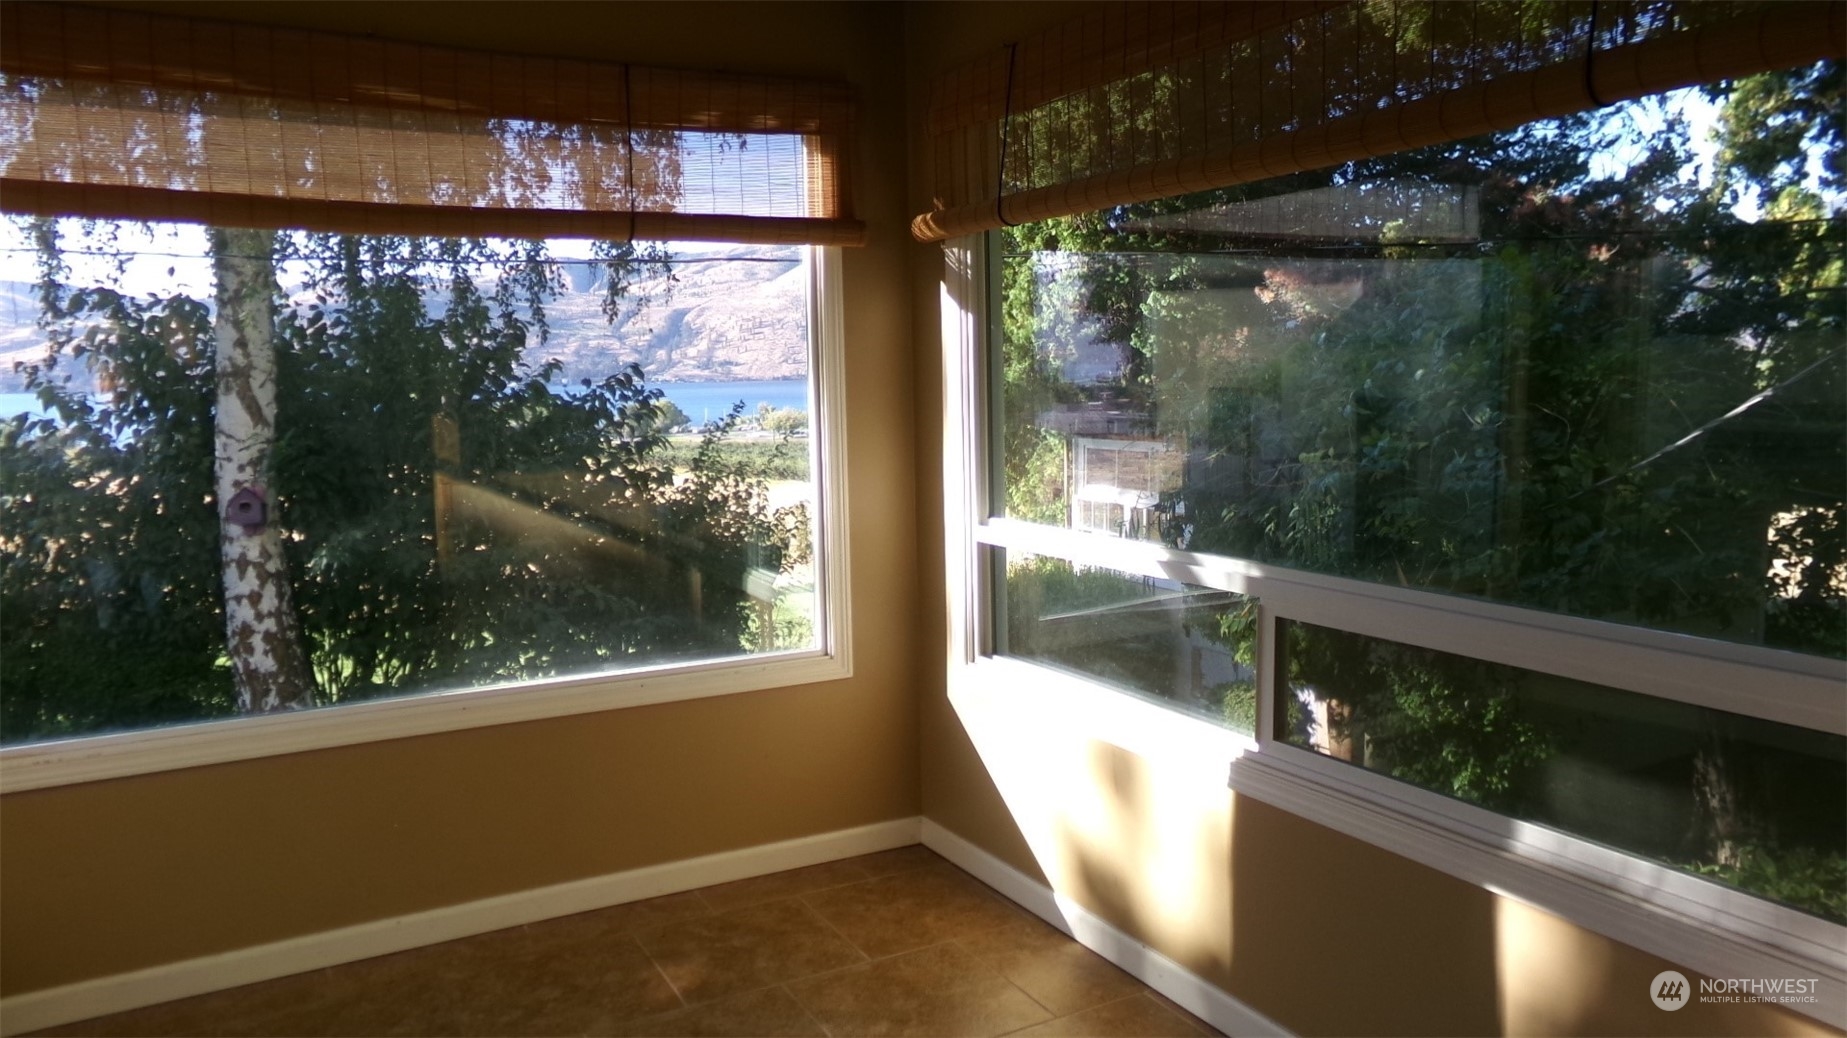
x: 702, y: 401
x: 13, y: 403
x: 706, y: 401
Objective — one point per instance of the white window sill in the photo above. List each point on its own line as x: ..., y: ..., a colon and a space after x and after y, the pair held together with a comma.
x: 93, y: 757
x: 1709, y: 928
x: 1702, y: 925
x: 1048, y: 699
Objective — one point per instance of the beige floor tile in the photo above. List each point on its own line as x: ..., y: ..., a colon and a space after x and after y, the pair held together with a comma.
x: 941, y: 990
x: 1061, y: 974
x: 241, y: 1010
x: 902, y: 859
x: 340, y: 1000
x: 455, y: 987
x: 1137, y: 1016
x: 950, y: 958
x: 709, y: 957
x: 1182, y: 1013
x: 502, y: 983
x: 726, y: 896
x: 913, y: 910
x: 769, y: 1013
x: 540, y: 987
x: 623, y: 919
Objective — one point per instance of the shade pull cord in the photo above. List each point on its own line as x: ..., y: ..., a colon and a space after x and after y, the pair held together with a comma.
x: 628, y: 136
x: 1590, y: 60
x: 1006, y: 132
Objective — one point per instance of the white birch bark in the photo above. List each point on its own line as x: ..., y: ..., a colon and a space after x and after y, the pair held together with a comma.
x: 262, y: 635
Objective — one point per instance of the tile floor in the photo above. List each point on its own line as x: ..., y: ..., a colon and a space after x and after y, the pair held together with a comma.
x: 897, y: 943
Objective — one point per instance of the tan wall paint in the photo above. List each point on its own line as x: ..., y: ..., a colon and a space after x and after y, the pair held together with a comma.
x: 112, y: 876
x: 1322, y: 932
x: 1325, y: 933
x: 961, y: 796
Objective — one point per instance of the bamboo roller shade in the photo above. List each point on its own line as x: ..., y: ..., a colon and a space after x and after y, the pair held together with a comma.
x: 120, y: 114
x: 1140, y: 101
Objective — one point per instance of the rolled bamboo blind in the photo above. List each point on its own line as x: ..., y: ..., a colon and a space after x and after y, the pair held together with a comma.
x: 1141, y: 101
x: 120, y: 114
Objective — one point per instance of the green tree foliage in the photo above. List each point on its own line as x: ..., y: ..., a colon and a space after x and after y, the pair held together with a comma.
x: 786, y: 421
x: 672, y: 418
x: 771, y: 460
x: 107, y: 534
x: 1132, y: 633
x: 1623, y: 396
x: 453, y: 513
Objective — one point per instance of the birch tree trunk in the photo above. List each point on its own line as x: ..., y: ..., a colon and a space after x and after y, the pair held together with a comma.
x: 262, y: 636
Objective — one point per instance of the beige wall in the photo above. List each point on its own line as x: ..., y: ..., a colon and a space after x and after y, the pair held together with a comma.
x: 939, y: 35
x: 113, y: 876
x: 1323, y: 933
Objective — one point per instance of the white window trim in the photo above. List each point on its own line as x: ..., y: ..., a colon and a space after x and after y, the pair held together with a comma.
x: 1785, y: 687
x: 117, y: 755
x: 1672, y: 913
x: 1703, y: 925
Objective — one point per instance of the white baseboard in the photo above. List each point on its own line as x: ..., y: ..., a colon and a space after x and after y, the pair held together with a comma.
x: 1197, y: 995
x: 50, y: 1007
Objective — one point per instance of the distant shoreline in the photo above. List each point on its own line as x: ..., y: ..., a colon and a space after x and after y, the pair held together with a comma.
x: 703, y: 401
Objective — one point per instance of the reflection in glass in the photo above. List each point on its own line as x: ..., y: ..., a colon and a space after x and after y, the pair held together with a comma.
x: 469, y: 473
x: 1186, y: 647
x: 1573, y: 366
x: 1760, y: 805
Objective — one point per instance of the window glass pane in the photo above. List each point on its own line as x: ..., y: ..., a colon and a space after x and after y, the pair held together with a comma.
x: 1749, y: 802
x: 1593, y: 365
x: 484, y: 462
x: 1182, y: 646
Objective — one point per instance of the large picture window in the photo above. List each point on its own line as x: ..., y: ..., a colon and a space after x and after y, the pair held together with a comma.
x: 459, y: 462
x: 1517, y: 464
x: 453, y: 388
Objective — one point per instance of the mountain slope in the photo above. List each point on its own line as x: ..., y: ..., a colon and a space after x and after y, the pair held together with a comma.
x: 728, y: 313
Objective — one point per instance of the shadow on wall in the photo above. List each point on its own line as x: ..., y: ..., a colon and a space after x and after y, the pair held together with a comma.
x: 1138, y: 841
x: 1338, y: 937
x: 1321, y: 932
x: 1144, y: 844
x: 1557, y: 978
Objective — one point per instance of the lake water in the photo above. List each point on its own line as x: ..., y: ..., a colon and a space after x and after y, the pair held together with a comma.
x: 702, y: 401
x: 13, y: 403
x: 705, y: 401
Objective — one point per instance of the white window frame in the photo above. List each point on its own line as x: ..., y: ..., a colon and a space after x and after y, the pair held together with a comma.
x: 90, y: 758
x: 1713, y: 929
